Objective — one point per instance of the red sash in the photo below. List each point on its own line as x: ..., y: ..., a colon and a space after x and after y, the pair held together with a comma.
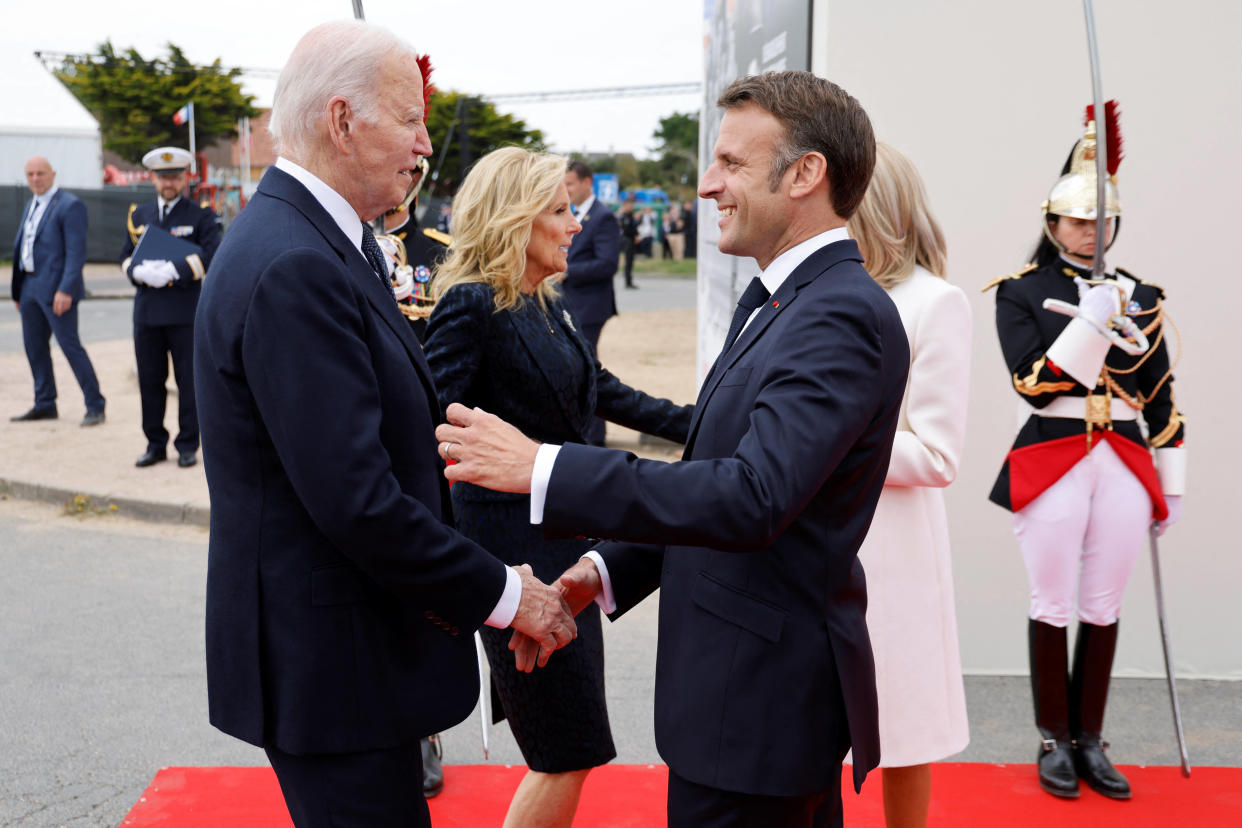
x: 1034, y: 468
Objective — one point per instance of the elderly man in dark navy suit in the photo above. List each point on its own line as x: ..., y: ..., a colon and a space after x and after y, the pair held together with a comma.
x: 340, y: 600
x: 593, y: 261
x: 764, y: 672
x: 164, y: 305
x: 48, y: 256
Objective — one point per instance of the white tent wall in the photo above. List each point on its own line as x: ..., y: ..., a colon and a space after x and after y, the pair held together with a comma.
x: 41, y: 117
x: 77, y: 159
x: 987, y: 99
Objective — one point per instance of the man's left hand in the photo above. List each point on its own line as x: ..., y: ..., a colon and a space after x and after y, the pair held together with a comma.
x: 487, y: 451
x: 61, y: 303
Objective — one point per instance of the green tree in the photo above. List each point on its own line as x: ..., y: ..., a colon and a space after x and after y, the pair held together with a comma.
x: 676, y: 167
x: 134, y: 98
x: 477, y: 129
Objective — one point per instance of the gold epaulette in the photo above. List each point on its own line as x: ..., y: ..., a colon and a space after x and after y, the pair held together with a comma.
x: 1016, y: 275
x: 443, y: 238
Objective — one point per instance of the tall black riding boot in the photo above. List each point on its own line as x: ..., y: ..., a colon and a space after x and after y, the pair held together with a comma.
x: 1050, y: 689
x: 1093, y: 664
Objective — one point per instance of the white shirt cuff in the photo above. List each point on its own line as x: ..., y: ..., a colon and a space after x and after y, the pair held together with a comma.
x: 1080, y: 351
x: 606, y: 600
x: 507, y: 606
x: 540, y: 475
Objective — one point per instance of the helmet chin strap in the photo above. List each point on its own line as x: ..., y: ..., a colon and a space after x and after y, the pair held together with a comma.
x: 1057, y: 242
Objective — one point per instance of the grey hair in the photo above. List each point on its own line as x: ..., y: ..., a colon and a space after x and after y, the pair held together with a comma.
x: 340, y: 58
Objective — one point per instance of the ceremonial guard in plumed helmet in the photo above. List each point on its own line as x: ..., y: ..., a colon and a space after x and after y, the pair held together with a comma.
x: 169, y: 278
x: 414, y: 253
x: 1098, y: 459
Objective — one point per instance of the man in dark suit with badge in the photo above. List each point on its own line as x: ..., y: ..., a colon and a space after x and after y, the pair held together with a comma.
x: 48, y: 255
x: 593, y: 260
x: 340, y: 599
x: 764, y: 670
x: 164, y: 305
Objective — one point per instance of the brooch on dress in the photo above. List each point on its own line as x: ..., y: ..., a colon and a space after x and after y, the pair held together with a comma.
x: 568, y: 320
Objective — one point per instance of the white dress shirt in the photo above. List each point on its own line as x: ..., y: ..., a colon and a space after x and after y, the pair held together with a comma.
x: 545, y: 459
x: 347, y: 219
x: 582, y: 209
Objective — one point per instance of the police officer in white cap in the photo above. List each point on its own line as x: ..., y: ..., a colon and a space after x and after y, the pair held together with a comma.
x: 167, y: 297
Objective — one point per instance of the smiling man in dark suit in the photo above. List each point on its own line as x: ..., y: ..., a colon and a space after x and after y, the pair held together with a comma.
x: 593, y: 261
x: 764, y: 675
x: 340, y: 600
x: 48, y: 256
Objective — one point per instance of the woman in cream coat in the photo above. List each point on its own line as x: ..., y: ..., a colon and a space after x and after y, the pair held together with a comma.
x: 910, y: 611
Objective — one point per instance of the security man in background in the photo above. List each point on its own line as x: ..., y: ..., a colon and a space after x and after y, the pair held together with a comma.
x: 166, y: 300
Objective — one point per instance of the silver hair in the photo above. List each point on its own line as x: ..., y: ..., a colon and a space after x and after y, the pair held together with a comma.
x: 341, y: 58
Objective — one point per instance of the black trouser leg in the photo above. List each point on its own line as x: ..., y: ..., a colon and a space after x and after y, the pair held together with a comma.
x: 1093, y: 665
x: 1050, y: 691
x: 181, y: 345
x: 151, y: 354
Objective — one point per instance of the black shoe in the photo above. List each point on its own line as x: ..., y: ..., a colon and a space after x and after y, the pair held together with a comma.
x: 1056, y: 769
x: 186, y: 459
x: 46, y: 413
x: 631, y: 287
x: 152, y: 457
x: 433, y: 772
x: 1093, y: 766
x: 93, y: 418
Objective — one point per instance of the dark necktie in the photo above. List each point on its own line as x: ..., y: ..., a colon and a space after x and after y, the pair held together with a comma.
x: 371, y: 249
x: 754, y: 296
x: 163, y: 212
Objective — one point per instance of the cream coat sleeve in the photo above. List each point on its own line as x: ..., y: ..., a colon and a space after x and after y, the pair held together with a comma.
x: 932, y: 430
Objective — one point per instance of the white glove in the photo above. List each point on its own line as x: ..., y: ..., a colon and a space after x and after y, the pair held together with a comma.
x: 403, y: 282
x: 1099, y: 304
x: 155, y: 272
x: 1174, y: 502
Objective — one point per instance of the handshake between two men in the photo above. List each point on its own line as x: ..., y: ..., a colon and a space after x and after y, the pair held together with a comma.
x: 488, y: 452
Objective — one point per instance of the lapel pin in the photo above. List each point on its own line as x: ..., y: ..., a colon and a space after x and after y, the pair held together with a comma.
x: 776, y: 303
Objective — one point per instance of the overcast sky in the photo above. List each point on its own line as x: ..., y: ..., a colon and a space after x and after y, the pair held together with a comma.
x: 487, y: 47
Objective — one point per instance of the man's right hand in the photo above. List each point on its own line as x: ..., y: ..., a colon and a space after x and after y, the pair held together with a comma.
x: 579, y: 585
x: 542, y: 616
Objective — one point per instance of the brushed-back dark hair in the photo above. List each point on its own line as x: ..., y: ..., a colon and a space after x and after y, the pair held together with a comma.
x: 818, y: 116
x: 580, y: 169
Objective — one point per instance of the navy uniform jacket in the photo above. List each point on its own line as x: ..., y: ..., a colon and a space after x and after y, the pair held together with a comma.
x: 424, y: 251
x: 340, y: 600
x: 592, y: 264
x: 1026, y: 331
x: 59, y: 251
x: 173, y: 304
x: 764, y: 669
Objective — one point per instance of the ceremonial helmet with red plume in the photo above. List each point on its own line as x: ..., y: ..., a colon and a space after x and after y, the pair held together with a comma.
x: 1074, y: 193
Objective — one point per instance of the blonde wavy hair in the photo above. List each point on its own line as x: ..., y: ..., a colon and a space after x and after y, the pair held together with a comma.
x: 894, y: 227
x: 493, y: 214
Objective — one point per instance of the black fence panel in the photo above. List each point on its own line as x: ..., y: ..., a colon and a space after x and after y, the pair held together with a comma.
x: 105, y: 217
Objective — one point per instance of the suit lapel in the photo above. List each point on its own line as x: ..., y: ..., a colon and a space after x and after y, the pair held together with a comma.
x: 45, y: 219
x: 815, y: 265
x: 285, y: 187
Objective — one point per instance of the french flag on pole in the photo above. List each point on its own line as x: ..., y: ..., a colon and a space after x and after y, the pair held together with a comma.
x: 183, y: 114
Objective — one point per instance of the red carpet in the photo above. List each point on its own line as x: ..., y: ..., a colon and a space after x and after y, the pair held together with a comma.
x: 632, y: 796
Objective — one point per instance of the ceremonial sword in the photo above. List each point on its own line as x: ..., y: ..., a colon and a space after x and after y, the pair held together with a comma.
x: 1097, y: 272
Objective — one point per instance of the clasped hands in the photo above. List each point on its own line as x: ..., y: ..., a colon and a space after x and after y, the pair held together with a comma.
x: 574, y: 590
x: 489, y: 452
x: 157, y: 273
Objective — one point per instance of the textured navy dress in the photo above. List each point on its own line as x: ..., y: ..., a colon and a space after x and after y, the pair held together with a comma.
x: 531, y: 366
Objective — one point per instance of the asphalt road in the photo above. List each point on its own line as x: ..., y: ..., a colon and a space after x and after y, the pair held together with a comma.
x: 103, y: 680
